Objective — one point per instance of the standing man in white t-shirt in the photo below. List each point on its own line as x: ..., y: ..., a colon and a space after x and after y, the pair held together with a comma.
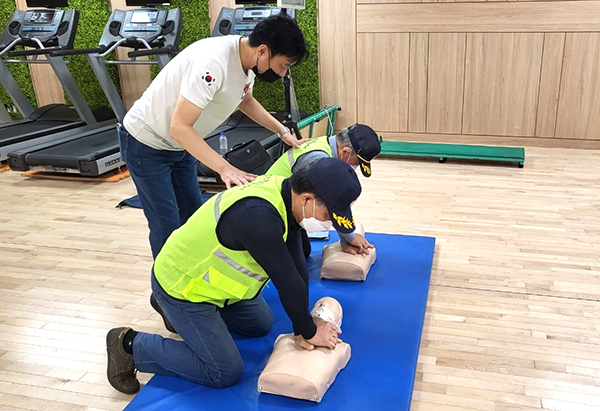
x: 162, y: 135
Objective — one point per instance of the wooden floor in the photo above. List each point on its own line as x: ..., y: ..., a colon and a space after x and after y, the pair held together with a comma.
x: 513, y: 316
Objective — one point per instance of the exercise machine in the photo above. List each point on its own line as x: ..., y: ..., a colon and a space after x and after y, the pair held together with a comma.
x: 47, y: 30
x: 238, y: 127
x: 4, y: 116
x: 149, y: 32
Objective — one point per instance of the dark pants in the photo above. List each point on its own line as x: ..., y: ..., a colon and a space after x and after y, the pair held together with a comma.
x: 207, y: 355
x: 166, y: 183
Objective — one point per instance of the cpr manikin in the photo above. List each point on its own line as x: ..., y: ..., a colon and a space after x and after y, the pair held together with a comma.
x: 338, y: 265
x: 298, y: 373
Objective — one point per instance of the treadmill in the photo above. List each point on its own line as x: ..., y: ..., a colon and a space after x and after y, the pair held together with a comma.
x: 238, y: 127
x: 46, y: 30
x: 4, y: 116
x: 149, y: 32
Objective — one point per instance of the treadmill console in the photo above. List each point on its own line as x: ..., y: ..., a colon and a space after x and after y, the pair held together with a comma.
x: 53, y: 28
x: 158, y: 27
x: 241, y: 21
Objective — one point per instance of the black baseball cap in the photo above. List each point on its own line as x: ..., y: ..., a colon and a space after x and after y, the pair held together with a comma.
x: 366, y: 145
x: 336, y: 183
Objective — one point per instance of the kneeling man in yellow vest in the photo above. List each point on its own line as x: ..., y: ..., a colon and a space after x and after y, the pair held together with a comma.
x: 356, y: 145
x: 208, y: 277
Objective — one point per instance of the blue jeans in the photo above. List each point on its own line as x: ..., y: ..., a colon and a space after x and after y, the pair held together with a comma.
x: 207, y: 355
x: 166, y: 183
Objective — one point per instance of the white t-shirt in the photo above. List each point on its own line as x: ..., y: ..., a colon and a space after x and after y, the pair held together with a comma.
x: 209, y: 74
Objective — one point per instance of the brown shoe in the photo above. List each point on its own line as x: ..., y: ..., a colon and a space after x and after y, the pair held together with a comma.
x: 121, y: 370
x: 159, y: 310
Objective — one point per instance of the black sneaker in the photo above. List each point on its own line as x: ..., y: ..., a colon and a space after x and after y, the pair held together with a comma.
x: 121, y: 370
x: 159, y: 310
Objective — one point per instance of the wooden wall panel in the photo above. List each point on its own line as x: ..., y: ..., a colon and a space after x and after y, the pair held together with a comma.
x: 319, y: 129
x: 516, y: 17
x: 337, y: 57
x: 513, y: 69
x: 383, y: 88
x: 46, y: 85
x: 445, y: 82
x: 134, y: 79
x: 214, y: 8
x: 579, y: 101
x: 554, y: 45
x: 502, y: 75
x: 417, y: 82
x: 397, y: 1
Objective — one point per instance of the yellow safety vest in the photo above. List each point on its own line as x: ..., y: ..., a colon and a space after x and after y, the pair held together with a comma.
x: 284, y: 164
x: 194, y: 266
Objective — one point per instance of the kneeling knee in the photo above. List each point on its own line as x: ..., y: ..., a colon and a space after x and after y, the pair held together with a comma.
x: 228, y: 378
x: 224, y: 378
x: 263, y: 327
x: 261, y: 332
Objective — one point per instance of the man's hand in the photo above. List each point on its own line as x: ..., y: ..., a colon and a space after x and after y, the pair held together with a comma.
x: 231, y: 175
x: 253, y: 109
x: 326, y: 336
x: 289, y: 139
x: 359, y: 245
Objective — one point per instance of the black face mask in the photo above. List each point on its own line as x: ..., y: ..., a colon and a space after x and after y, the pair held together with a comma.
x: 268, y: 76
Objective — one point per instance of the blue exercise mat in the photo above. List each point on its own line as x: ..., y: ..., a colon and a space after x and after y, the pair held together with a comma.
x: 383, y: 319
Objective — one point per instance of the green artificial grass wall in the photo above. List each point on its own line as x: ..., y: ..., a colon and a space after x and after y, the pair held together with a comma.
x: 93, y: 15
x: 19, y: 71
x: 305, y: 75
x: 196, y: 25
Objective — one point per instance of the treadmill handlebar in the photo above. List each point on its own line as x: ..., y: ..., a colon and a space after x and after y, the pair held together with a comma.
x: 73, y: 52
x: 151, y: 52
x: 34, y: 52
x: 100, y: 50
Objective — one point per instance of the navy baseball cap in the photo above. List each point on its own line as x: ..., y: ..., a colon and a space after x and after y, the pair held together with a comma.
x: 366, y: 145
x: 336, y: 183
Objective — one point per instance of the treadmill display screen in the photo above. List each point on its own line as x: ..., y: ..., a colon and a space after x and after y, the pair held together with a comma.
x: 255, y: 1
x: 144, y: 16
x: 40, y: 16
x: 47, y: 3
x: 143, y: 3
x: 256, y: 14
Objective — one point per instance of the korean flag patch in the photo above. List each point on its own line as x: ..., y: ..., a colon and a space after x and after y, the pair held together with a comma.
x: 208, y: 78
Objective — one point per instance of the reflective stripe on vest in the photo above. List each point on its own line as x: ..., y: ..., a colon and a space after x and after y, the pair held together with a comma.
x: 237, y: 267
x: 284, y: 164
x: 194, y: 266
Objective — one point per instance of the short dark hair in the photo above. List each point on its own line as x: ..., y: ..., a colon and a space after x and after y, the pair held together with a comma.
x: 301, y: 183
x: 282, y: 35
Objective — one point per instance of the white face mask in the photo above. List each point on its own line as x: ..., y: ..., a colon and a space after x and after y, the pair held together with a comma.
x: 312, y: 225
